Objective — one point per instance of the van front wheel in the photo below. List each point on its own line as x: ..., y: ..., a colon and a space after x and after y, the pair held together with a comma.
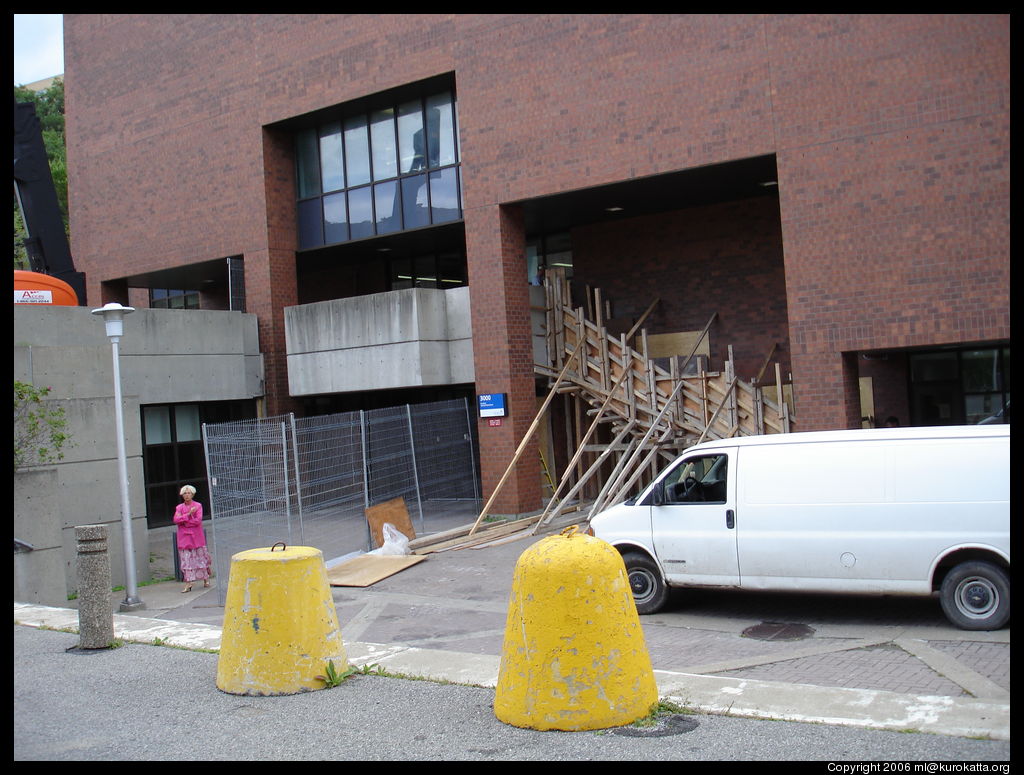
x: 976, y: 596
x: 649, y: 590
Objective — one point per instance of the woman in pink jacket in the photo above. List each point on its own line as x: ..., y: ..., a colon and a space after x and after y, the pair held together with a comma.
x: 192, y: 553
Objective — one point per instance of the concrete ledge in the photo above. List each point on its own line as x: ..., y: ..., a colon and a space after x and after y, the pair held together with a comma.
x: 954, y: 716
x: 135, y: 629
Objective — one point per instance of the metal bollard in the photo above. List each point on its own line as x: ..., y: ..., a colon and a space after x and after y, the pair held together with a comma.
x: 574, y: 656
x: 280, y: 624
x: 95, y: 614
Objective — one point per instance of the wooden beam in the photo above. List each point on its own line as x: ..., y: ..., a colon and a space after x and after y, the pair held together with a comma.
x: 581, y: 447
x: 640, y: 320
x: 764, y: 367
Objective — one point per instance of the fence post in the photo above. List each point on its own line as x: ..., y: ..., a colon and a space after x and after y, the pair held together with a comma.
x: 284, y: 470
x: 211, y: 483
x: 472, y: 451
x: 415, y: 467
x: 298, y: 477
x: 366, y: 476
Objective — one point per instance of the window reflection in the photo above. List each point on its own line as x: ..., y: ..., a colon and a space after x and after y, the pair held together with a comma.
x: 410, y: 136
x: 357, y: 151
x: 441, y: 130
x: 444, y: 196
x: 385, y: 196
x: 335, y: 218
x: 415, y: 206
x: 331, y: 166
x: 360, y: 213
x: 382, y: 138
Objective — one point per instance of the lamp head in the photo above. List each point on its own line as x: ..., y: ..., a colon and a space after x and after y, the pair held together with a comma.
x: 113, y: 318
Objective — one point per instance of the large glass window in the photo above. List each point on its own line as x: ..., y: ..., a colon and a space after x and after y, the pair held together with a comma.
x: 960, y: 387
x: 444, y: 270
x: 173, y: 456
x: 407, y: 151
x: 548, y: 251
x: 171, y: 298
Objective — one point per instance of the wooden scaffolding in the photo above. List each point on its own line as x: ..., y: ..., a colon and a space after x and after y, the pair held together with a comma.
x: 624, y: 412
x: 625, y: 415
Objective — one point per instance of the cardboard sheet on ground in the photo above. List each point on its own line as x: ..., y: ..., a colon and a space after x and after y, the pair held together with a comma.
x: 367, y: 569
x: 393, y: 511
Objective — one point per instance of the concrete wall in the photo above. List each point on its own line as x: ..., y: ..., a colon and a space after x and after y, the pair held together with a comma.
x: 38, y: 574
x: 408, y: 338
x: 167, y: 356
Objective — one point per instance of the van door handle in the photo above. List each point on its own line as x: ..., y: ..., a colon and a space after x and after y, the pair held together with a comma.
x: 730, y: 519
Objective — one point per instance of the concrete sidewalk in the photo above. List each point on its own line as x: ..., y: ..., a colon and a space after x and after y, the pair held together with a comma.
x: 886, y: 663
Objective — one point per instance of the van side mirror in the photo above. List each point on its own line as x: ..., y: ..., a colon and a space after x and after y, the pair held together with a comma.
x: 658, y: 494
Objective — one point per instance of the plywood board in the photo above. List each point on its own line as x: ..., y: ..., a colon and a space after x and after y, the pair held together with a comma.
x: 393, y: 511
x: 368, y: 569
x: 680, y: 343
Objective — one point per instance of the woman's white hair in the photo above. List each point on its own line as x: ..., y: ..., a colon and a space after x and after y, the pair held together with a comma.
x: 188, y: 488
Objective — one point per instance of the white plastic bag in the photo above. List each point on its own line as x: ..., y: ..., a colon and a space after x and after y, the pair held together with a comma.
x: 395, y: 541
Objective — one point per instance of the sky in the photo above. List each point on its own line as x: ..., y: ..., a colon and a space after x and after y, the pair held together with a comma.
x: 38, y: 46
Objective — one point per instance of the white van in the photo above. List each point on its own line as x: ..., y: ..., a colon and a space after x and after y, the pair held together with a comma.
x: 907, y: 511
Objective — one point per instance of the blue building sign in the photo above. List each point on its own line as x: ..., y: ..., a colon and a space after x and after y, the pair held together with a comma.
x: 492, y: 404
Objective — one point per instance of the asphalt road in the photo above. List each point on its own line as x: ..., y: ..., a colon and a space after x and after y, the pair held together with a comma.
x: 144, y: 702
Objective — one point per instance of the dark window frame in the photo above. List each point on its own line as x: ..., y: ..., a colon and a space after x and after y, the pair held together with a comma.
x: 162, y: 495
x: 311, y: 207
x: 923, y: 391
x: 161, y: 298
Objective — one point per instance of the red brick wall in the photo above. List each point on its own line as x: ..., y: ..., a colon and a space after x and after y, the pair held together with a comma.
x: 892, y: 137
x: 503, y: 352
x: 724, y: 259
x: 893, y: 158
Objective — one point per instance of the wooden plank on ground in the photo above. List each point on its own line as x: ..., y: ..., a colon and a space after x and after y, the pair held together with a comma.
x: 367, y: 569
x: 486, y: 534
x: 393, y: 511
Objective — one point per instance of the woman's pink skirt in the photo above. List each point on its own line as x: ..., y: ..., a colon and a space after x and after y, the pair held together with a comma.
x: 195, y: 563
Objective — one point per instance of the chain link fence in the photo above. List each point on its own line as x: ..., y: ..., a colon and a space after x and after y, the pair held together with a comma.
x: 307, y: 481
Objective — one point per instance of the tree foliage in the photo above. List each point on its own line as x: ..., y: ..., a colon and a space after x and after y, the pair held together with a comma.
x: 40, y: 430
x: 50, y: 109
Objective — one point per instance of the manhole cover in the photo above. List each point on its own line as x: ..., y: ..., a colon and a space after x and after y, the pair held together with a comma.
x: 778, y: 631
x: 664, y: 727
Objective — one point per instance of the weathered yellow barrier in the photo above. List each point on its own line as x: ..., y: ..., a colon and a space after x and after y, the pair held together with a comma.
x: 280, y: 624
x: 574, y: 656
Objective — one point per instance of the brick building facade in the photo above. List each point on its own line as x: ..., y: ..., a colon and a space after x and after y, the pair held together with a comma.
x: 834, y: 185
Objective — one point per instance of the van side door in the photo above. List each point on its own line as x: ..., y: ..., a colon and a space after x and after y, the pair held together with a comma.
x: 693, y: 520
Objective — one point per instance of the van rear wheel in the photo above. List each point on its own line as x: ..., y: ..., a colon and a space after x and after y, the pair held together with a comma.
x: 976, y: 596
x: 649, y: 590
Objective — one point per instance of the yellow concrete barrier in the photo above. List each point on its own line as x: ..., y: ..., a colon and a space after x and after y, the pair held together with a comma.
x: 280, y: 624
x: 574, y: 656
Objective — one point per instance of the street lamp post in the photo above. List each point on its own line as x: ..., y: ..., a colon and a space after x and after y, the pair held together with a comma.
x: 113, y: 318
